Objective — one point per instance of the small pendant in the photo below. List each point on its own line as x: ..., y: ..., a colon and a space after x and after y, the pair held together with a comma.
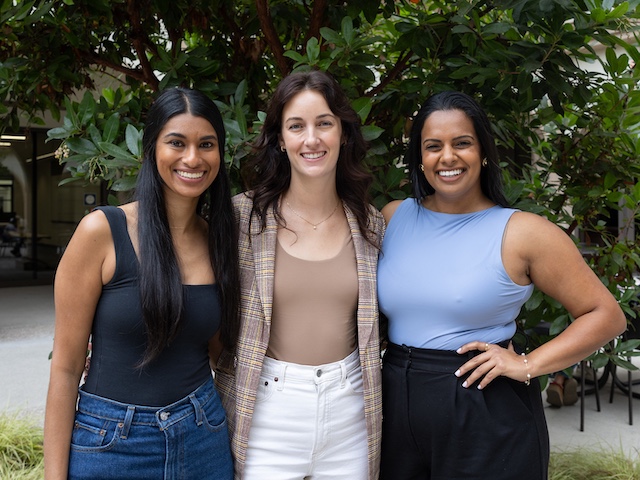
x: 315, y: 226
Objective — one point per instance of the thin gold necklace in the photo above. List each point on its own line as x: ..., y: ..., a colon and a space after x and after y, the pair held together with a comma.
x: 314, y: 225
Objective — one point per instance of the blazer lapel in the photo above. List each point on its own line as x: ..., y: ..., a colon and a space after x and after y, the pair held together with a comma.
x: 264, y: 257
x: 366, y: 282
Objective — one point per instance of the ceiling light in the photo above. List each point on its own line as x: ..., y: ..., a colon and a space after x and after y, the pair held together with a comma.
x: 13, y: 137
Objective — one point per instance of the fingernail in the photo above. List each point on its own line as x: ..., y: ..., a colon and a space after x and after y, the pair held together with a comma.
x: 479, y: 387
x: 457, y: 374
x: 464, y: 384
x: 459, y: 350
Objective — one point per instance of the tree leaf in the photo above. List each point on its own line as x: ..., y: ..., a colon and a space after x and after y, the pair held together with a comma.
x: 133, y: 138
x: 111, y: 128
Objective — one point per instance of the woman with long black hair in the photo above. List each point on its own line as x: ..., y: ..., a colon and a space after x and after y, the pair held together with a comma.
x: 457, y: 265
x: 154, y: 283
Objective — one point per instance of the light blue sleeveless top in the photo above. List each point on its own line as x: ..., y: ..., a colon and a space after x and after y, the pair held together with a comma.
x: 441, y: 281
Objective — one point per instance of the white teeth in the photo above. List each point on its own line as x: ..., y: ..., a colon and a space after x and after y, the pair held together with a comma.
x: 312, y: 156
x: 450, y: 173
x: 189, y: 174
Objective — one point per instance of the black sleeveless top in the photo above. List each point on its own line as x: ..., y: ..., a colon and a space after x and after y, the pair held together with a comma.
x: 119, y: 338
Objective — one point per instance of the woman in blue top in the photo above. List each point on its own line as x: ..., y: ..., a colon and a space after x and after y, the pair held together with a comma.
x: 155, y: 283
x: 456, y: 266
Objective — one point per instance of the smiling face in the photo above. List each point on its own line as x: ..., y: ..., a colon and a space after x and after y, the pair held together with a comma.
x: 452, y: 157
x: 311, y: 135
x: 187, y: 155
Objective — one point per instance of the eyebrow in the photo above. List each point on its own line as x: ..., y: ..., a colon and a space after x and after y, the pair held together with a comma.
x: 180, y: 135
x: 456, y: 138
x: 317, y: 118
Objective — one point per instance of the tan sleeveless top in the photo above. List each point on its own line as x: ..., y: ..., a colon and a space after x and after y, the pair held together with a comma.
x: 314, y: 307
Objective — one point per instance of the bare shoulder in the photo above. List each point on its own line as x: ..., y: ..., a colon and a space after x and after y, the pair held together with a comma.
x: 93, y: 225
x: 91, y: 239
x: 89, y: 251
x: 532, y: 232
x: 537, y: 249
x: 389, y: 209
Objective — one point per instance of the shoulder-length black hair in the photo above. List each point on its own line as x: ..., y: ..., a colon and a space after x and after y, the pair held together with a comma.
x: 161, y: 289
x: 490, y: 176
x: 268, y: 172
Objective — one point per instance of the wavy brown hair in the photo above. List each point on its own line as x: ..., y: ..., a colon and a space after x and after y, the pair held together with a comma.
x: 268, y: 173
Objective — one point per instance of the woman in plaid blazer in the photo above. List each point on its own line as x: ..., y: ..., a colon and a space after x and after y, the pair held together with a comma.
x: 308, y: 200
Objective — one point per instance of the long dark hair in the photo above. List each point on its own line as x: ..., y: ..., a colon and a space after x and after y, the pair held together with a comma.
x: 490, y: 176
x: 268, y: 173
x: 161, y: 289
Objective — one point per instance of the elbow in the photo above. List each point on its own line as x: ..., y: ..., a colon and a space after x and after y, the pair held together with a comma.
x: 620, y: 321
x: 623, y: 325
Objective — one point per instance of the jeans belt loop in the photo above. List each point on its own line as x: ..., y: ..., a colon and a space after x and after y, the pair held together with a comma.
x: 197, y: 408
x: 343, y: 374
x: 128, y: 419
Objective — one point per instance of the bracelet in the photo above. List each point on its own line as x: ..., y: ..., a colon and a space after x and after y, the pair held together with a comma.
x: 527, y: 382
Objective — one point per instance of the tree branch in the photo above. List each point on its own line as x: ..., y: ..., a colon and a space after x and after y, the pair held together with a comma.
x: 317, y: 19
x: 266, y: 23
x: 393, y: 73
x: 137, y: 39
x: 92, y: 59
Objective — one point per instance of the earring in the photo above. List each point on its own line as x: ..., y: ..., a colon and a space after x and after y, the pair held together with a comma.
x: 282, y: 149
x: 421, y: 168
x: 484, y: 162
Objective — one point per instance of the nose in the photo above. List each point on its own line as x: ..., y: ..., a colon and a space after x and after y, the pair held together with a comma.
x: 191, y: 157
x: 447, y: 154
x: 312, y: 137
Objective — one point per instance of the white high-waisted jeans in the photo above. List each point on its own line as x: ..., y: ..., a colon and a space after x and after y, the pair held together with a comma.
x: 308, y: 422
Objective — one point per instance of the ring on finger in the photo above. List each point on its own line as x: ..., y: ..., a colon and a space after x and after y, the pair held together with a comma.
x: 486, y: 347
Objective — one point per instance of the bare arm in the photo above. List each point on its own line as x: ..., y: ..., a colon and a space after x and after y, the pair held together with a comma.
x: 389, y: 209
x: 537, y: 250
x: 78, y: 285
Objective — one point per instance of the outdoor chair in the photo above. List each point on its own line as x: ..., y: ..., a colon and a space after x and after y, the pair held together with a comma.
x: 632, y: 332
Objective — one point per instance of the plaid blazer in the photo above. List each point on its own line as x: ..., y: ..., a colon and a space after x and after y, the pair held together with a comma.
x: 237, y: 376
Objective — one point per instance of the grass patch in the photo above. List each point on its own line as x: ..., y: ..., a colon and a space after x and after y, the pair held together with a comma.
x: 593, y: 465
x: 21, y: 454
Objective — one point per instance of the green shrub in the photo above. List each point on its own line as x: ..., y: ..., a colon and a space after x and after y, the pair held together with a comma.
x: 586, y: 464
x: 21, y: 455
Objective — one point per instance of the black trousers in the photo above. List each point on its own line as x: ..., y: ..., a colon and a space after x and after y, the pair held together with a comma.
x: 433, y: 428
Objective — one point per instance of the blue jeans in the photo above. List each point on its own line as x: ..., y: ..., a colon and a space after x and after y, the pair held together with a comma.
x: 185, y: 440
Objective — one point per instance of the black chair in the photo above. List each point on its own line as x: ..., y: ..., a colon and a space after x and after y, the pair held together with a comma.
x: 632, y: 333
x: 597, y: 384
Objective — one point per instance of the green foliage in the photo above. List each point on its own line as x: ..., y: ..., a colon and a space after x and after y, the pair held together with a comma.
x: 593, y: 465
x: 21, y: 455
x: 102, y: 140
x: 558, y: 79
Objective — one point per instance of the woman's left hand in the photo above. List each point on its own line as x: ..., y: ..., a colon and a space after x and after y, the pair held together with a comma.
x: 493, y: 362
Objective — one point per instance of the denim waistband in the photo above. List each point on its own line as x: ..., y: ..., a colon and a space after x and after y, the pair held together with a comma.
x: 311, y: 373
x: 163, y: 417
x: 445, y: 361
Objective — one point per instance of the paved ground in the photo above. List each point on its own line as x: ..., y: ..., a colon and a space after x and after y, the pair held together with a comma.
x: 26, y: 337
